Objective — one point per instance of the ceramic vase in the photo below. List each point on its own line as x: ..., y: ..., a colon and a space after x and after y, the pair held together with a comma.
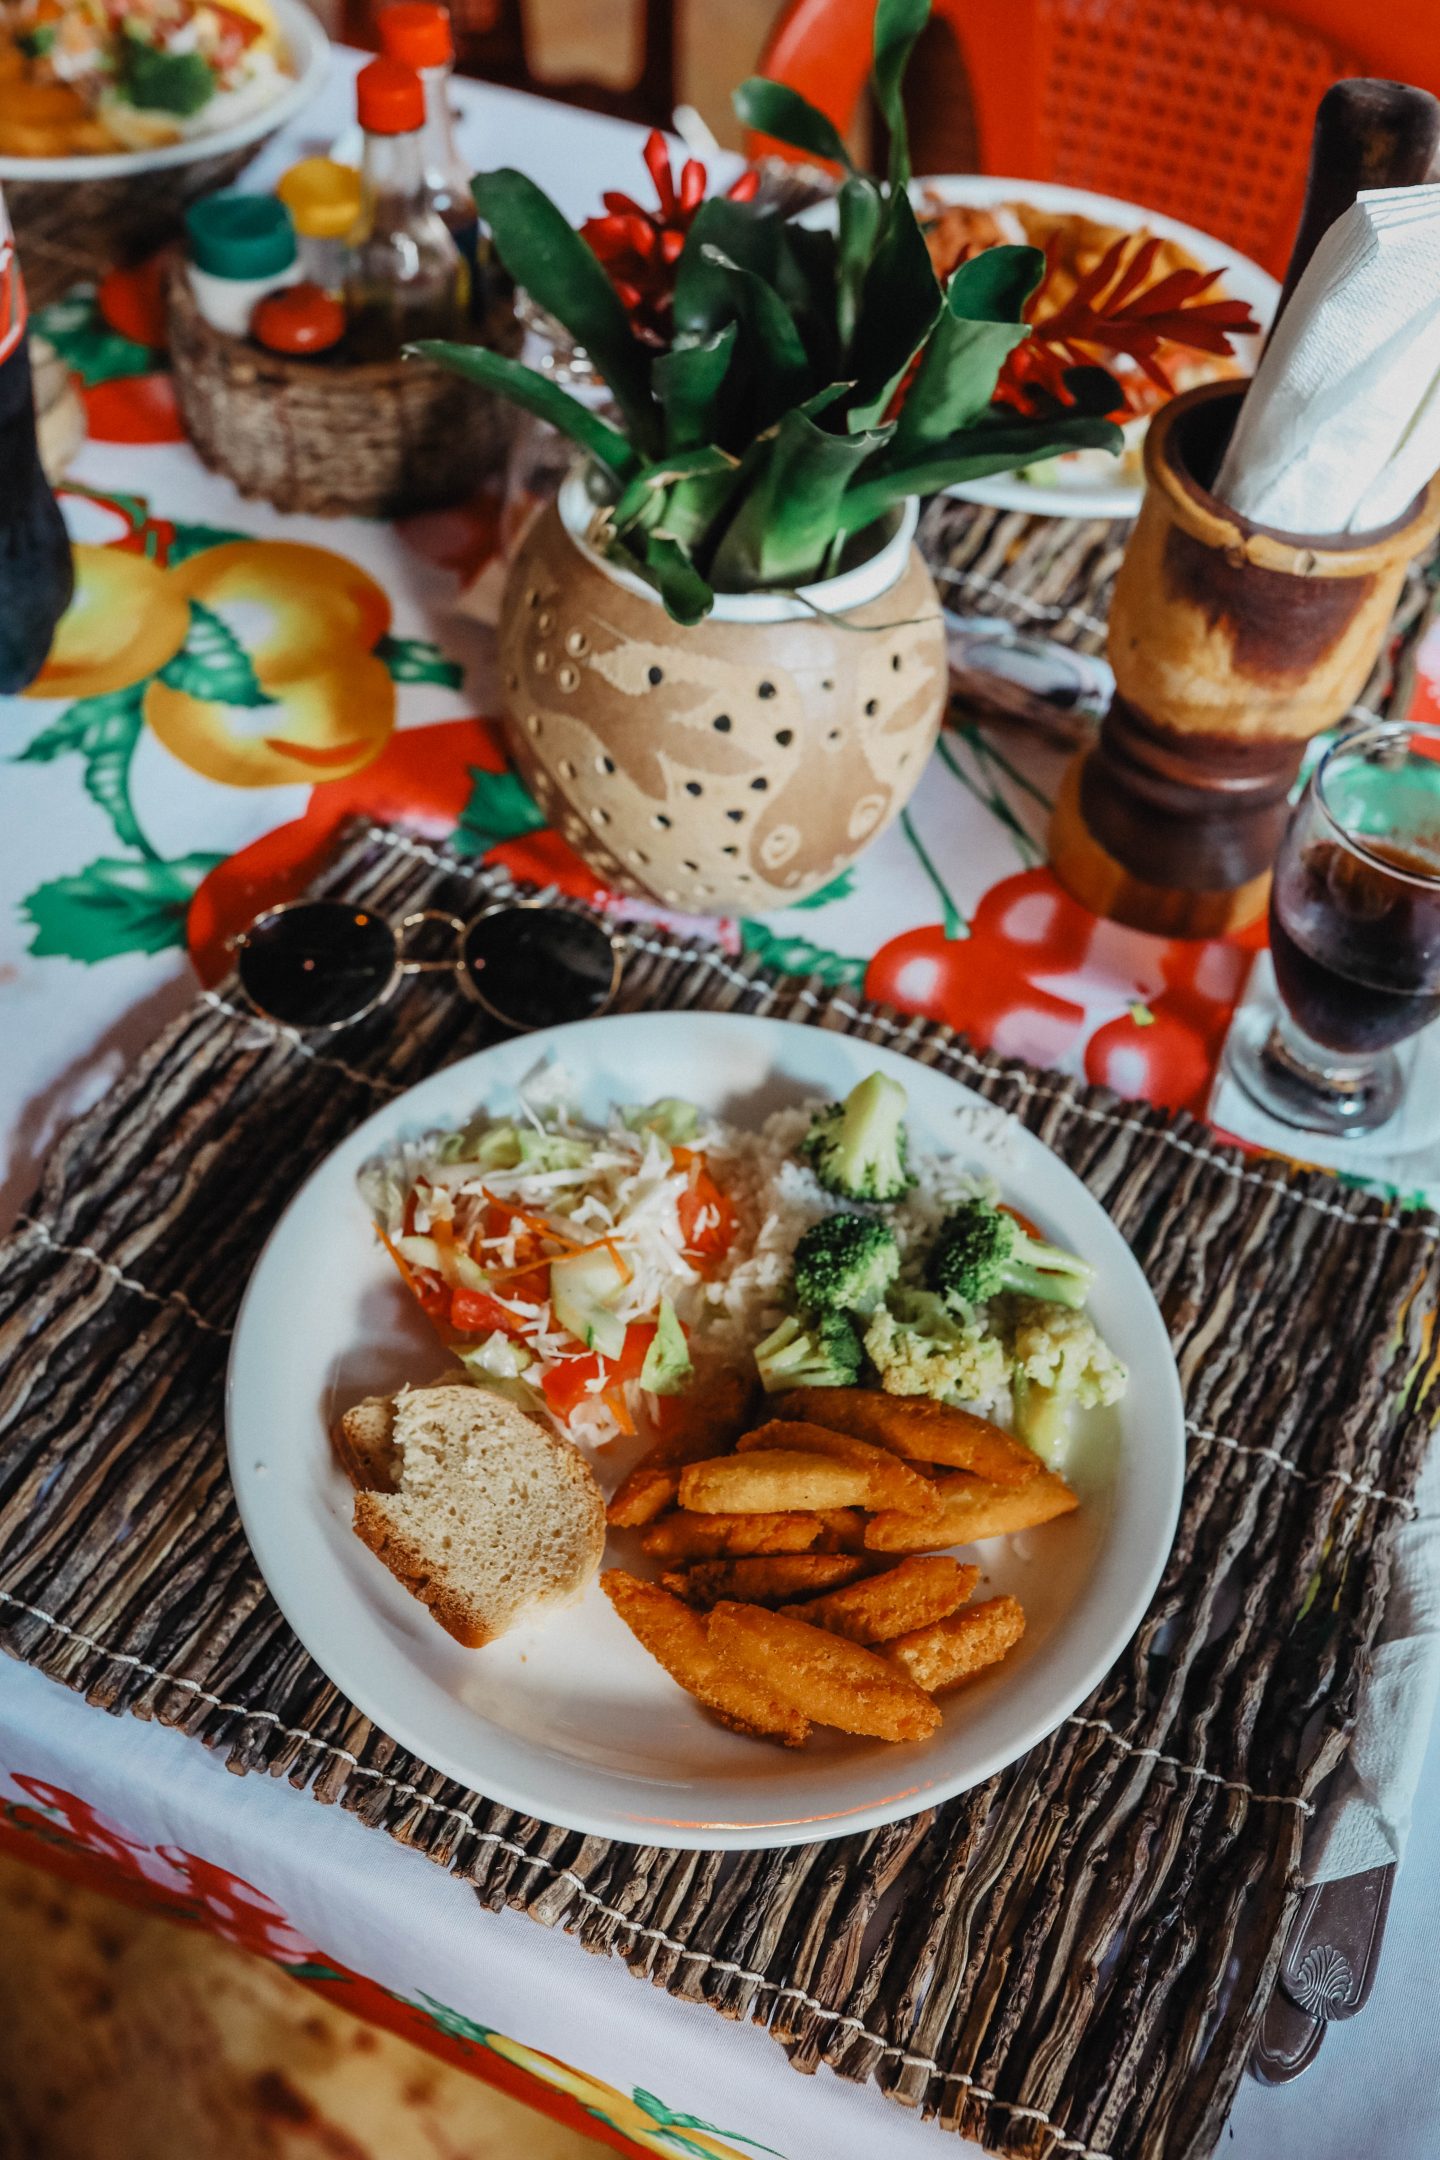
x: 735, y: 766
x: 1232, y: 645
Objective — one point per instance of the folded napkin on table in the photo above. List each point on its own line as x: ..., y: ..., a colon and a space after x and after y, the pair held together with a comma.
x: 1341, y: 427
x: 1366, y: 1817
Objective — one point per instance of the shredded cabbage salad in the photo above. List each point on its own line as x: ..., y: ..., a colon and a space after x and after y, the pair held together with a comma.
x: 560, y: 1259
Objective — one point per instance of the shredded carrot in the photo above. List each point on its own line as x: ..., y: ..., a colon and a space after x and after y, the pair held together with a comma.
x: 538, y: 1224
x: 619, y: 1408
x: 407, y: 1275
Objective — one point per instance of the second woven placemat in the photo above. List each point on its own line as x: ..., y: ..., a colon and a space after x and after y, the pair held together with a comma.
x: 1071, y: 1958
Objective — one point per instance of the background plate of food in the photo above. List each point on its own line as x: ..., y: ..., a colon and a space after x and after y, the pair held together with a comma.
x: 601, y: 1224
x: 93, y: 92
x: 1078, y: 231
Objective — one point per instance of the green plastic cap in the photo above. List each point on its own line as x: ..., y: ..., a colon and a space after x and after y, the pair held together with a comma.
x: 240, y: 236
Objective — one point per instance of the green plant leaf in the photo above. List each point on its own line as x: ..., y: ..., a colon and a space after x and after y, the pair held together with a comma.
x: 685, y: 494
x: 978, y: 328
x: 687, y: 596
x: 104, y: 731
x: 114, y: 907
x: 790, y: 955
x: 900, y: 302
x: 212, y: 663
x: 790, y: 513
x: 536, y: 394
x: 543, y: 252
x: 501, y: 807
x: 860, y: 208
x: 773, y: 108
x: 779, y: 364
x: 418, y: 660
x: 898, y: 23
x: 973, y: 454
x: 688, y: 381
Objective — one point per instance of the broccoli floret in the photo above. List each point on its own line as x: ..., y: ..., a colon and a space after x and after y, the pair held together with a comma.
x: 1059, y: 1360
x: 824, y: 1353
x: 980, y: 1251
x: 919, y: 1347
x: 845, y: 1264
x: 857, y: 1148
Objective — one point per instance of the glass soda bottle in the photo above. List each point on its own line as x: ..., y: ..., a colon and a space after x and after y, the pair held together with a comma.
x: 418, y: 34
x: 36, y: 574
x: 408, y: 279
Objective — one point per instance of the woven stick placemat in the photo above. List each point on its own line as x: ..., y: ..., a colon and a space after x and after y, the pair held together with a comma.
x: 1071, y: 1958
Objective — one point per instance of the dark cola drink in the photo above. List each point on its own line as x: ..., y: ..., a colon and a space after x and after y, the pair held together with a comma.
x: 36, y: 578
x: 1356, y: 942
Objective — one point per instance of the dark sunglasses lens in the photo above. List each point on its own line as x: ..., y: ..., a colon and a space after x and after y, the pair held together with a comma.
x: 315, y: 966
x: 535, y: 968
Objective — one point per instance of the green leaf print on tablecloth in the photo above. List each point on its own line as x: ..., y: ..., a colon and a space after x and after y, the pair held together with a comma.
x: 114, y: 907
x: 501, y: 807
x: 212, y: 664
x: 104, y: 731
x: 792, y: 955
x: 418, y: 660
x: 87, y: 344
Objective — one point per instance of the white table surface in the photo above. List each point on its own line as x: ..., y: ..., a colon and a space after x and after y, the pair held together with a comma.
x: 384, y: 1911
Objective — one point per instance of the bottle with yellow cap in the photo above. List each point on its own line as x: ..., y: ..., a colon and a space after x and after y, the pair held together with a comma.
x: 323, y: 199
x: 407, y: 278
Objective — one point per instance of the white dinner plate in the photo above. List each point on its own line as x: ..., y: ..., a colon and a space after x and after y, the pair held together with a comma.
x: 1090, y: 494
x: 569, y: 1719
x: 309, y: 55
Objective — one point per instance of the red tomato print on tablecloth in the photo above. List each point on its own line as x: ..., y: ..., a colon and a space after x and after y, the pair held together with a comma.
x: 1041, y: 978
x: 133, y: 409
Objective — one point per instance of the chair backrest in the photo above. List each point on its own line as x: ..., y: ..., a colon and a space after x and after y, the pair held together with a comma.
x: 1198, y: 108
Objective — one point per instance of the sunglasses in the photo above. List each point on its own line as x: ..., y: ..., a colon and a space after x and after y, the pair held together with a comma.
x: 322, y: 964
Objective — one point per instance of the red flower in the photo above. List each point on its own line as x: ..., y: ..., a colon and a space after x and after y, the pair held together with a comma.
x: 640, y: 248
x: 1115, y: 308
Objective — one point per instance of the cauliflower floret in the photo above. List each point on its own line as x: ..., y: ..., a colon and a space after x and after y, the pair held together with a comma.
x: 920, y: 1348
x: 1058, y: 1359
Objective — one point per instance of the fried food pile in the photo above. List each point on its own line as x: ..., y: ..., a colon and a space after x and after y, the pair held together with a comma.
x: 804, y: 1580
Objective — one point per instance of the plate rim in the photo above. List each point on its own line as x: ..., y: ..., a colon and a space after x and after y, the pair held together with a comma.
x: 307, y: 39
x: 1165, y: 1428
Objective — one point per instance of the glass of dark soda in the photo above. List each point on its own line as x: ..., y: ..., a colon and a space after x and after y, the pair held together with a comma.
x: 1354, y: 934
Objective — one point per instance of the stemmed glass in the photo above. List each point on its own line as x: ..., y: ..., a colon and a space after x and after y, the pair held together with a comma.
x: 1354, y: 934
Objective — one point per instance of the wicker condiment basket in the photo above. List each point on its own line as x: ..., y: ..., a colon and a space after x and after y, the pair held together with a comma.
x: 376, y: 439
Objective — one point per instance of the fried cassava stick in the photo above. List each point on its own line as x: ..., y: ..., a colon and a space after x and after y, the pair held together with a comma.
x: 822, y: 1676
x: 952, y: 1650
x: 972, y: 1508
x: 921, y: 1590
x: 677, y: 1638
x: 915, y: 1427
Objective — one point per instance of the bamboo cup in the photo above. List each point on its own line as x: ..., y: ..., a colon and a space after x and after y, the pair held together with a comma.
x: 1232, y: 644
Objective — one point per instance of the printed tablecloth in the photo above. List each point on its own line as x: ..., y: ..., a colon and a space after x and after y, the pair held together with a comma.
x: 235, y: 683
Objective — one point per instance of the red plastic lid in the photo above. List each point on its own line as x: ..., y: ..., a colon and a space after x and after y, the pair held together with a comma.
x: 417, y: 32
x: 298, y: 319
x: 389, y: 98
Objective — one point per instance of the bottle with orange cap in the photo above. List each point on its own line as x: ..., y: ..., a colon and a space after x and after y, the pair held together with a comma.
x: 408, y: 279
x: 418, y: 34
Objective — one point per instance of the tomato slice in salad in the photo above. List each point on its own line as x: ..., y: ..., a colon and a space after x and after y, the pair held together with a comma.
x: 566, y: 1385
x: 476, y: 1312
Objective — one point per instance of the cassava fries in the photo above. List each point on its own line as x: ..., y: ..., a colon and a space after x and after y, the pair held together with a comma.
x: 952, y: 1650
x: 719, y: 1537
x: 914, y: 1427
x: 920, y: 1591
x: 677, y: 1638
x: 842, y: 1530
x: 763, y: 1484
x: 822, y: 1676
x: 893, y: 1484
x: 766, y: 1578
x: 970, y: 1509
x: 701, y: 1422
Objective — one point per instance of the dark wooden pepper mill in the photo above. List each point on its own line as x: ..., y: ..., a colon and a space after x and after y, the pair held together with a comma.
x: 1232, y: 643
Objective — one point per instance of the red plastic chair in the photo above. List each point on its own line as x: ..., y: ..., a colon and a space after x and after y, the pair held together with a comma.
x: 1198, y: 108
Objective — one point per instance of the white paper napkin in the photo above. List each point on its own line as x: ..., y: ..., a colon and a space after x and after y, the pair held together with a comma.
x: 1341, y: 427
x: 1366, y: 1818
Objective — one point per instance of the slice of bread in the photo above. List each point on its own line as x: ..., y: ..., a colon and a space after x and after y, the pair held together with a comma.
x: 492, y: 1519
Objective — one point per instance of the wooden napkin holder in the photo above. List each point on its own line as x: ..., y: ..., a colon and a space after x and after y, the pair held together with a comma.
x: 1232, y: 645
